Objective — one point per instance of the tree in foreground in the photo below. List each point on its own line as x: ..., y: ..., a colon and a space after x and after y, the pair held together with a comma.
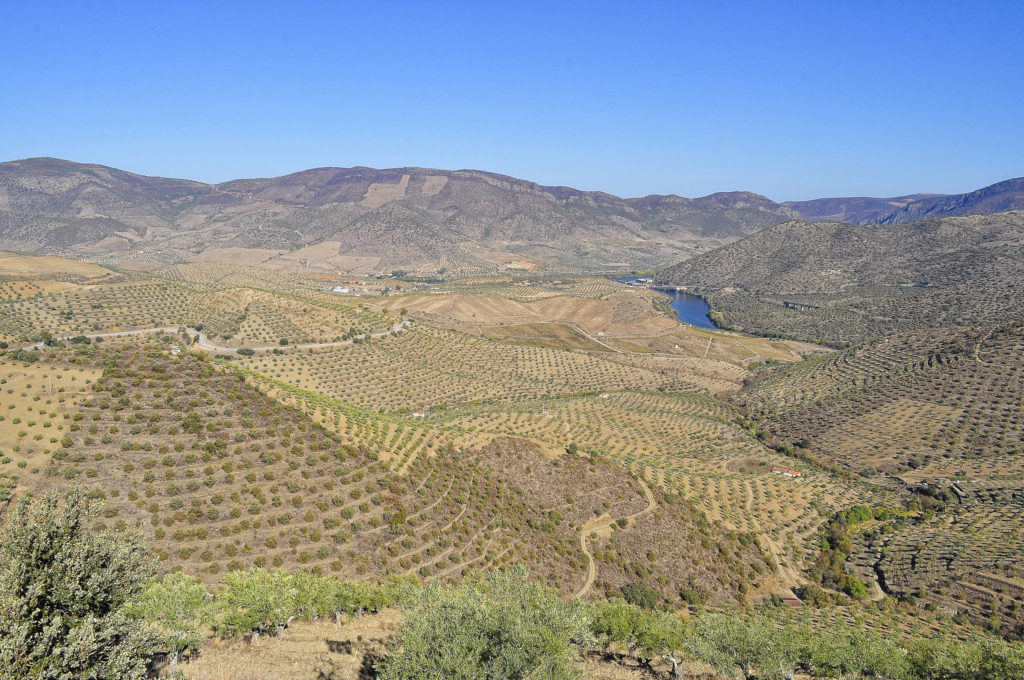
x: 652, y: 635
x: 502, y: 626
x: 850, y: 653
x: 257, y: 601
x: 176, y: 606
x: 745, y: 648
x: 63, y: 591
x: 978, y: 658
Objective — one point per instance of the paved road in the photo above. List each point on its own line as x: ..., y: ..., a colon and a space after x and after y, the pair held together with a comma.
x: 206, y: 344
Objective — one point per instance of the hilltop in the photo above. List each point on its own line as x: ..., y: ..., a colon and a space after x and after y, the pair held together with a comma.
x: 841, y: 282
x: 361, y: 220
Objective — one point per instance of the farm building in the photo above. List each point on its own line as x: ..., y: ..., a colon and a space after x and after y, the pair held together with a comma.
x: 785, y: 472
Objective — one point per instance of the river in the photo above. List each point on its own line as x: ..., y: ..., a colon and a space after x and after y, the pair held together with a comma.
x: 689, y: 308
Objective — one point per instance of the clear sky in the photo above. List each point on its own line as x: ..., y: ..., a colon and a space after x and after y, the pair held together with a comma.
x: 793, y: 100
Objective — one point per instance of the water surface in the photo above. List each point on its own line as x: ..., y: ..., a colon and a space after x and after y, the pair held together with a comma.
x: 691, y: 309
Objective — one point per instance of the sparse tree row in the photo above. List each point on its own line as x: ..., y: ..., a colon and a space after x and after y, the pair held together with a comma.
x: 76, y: 604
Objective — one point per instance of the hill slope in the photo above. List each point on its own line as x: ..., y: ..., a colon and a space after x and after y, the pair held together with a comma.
x: 841, y: 282
x: 937, y: 411
x: 852, y: 209
x: 361, y: 219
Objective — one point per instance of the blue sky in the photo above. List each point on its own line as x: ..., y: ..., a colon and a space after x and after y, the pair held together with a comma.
x: 789, y: 99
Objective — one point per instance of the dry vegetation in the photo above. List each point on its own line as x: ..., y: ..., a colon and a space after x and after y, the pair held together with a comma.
x: 234, y: 306
x: 841, y: 283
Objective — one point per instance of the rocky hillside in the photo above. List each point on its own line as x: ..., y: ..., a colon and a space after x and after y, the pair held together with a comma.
x: 840, y: 282
x: 362, y: 220
x: 1008, y: 195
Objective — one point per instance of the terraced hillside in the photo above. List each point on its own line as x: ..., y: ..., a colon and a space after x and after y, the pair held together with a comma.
x: 938, y: 414
x: 924, y: 404
x: 968, y: 559
x: 617, y: 450
x: 221, y: 476
x: 842, y: 283
x: 429, y: 388
x: 230, y: 304
x: 423, y: 368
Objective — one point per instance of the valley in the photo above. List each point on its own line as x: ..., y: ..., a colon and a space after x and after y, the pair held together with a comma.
x: 243, y: 418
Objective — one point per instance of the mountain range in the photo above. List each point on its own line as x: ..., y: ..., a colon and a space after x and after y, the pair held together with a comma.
x: 363, y: 220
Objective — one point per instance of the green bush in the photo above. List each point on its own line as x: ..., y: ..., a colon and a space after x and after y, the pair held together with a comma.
x: 255, y: 601
x: 63, y: 592
x: 177, y: 605
x: 500, y: 627
x: 641, y: 595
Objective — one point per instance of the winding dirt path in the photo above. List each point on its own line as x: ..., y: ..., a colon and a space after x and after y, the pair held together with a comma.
x: 603, y: 523
x: 977, y: 347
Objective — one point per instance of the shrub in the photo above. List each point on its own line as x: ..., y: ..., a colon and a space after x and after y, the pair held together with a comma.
x: 498, y: 627
x: 63, y: 592
x: 177, y: 606
x: 641, y: 595
x: 255, y: 601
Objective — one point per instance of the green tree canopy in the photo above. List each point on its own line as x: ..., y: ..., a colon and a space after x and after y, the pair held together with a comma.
x: 177, y: 606
x: 502, y: 627
x: 63, y: 591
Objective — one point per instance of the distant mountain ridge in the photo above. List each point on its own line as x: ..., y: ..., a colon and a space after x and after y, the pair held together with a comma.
x: 363, y: 219
x: 853, y: 209
x: 998, y: 197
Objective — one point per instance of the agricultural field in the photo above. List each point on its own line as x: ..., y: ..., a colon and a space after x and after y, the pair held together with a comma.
x: 222, y: 476
x: 936, y: 413
x: 568, y: 424
x: 923, y: 405
x: 231, y: 305
x: 968, y: 559
x: 424, y: 367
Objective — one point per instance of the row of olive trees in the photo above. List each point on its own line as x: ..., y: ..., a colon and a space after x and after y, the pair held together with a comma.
x: 504, y: 626
x: 253, y: 603
x: 77, y: 604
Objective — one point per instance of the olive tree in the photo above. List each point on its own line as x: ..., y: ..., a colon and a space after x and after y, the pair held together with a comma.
x: 735, y: 647
x: 256, y: 601
x: 977, y: 658
x: 63, y: 592
x: 501, y: 627
x: 652, y: 635
x: 851, y: 653
x: 176, y: 606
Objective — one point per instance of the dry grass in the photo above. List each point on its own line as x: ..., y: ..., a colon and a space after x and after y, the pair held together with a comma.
x: 317, y: 650
x: 47, y: 266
